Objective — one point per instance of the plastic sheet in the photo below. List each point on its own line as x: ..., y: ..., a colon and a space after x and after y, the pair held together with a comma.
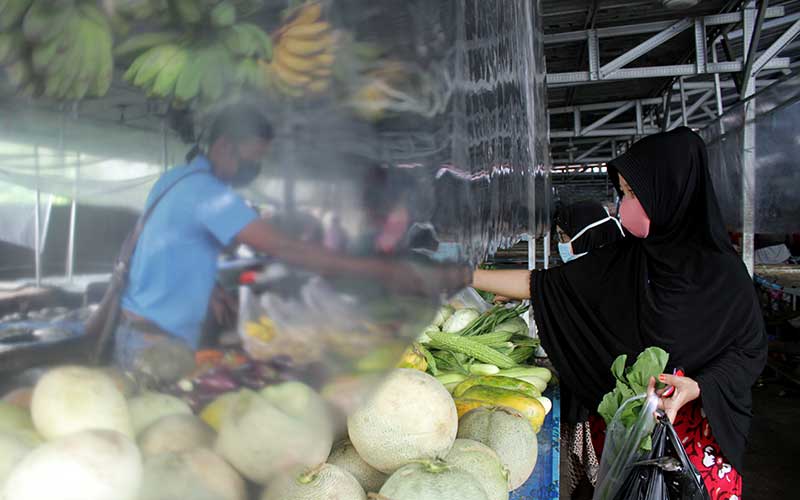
x: 777, y: 200
x: 431, y: 129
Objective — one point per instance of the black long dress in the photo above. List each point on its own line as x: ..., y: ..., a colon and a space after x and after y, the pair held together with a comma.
x: 683, y: 288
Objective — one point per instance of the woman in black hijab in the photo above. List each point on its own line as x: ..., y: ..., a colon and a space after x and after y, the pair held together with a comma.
x: 676, y: 283
x: 584, y: 226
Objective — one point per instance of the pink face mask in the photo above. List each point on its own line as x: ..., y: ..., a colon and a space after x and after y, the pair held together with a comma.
x: 633, y: 217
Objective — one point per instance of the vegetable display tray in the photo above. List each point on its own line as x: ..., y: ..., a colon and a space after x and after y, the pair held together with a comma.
x: 544, y: 482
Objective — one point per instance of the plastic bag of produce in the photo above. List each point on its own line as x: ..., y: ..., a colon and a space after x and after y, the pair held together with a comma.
x: 628, y: 471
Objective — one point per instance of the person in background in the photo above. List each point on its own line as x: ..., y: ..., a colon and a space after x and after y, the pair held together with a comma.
x: 173, y: 269
x: 584, y: 226
x: 675, y: 282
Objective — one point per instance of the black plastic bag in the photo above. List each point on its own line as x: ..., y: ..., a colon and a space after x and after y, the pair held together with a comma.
x: 663, y: 473
x: 666, y: 473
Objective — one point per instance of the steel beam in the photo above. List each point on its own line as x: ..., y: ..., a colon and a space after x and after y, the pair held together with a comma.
x: 603, y: 132
x: 577, y: 77
x: 691, y: 110
x: 748, y: 157
x: 751, y: 48
x: 594, y: 56
x: 779, y: 44
x: 592, y: 150
x: 700, y: 48
x: 653, y: 27
x: 607, y: 118
x: 684, y: 118
x: 646, y: 46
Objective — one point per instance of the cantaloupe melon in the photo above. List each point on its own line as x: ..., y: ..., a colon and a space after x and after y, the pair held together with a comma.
x: 326, y: 481
x: 198, y: 474
x: 87, y: 465
x: 149, y: 407
x: 483, y: 463
x: 345, y: 456
x: 176, y: 433
x: 263, y: 435
x: 435, y: 480
x: 71, y: 399
x: 509, y: 434
x: 13, y: 449
x: 411, y: 416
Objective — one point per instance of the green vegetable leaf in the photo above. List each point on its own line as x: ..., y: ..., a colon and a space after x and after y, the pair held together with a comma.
x: 618, y: 367
x: 650, y: 363
x: 608, y: 407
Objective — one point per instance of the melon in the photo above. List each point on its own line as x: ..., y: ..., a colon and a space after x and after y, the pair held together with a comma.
x: 509, y: 434
x: 214, y: 411
x: 410, y: 417
x: 273, y: 432
x: 483, y: 463
x: 95, y: 464
x: 176, y: 433
x: 198, y: 474
x: 149, y: 407
x: 345, y: 456
x: 326, y: 481
x: 16, y: 420
x: 432, y: 480
x: 13, y: 449
x: 71, y: 399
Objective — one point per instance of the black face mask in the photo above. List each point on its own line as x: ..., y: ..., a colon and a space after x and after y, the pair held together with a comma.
x: 247, y: 172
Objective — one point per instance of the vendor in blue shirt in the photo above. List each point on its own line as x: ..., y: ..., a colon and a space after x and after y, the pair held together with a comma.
x: 173, y: 269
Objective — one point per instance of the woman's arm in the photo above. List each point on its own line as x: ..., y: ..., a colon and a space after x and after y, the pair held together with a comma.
x: 514, y: 284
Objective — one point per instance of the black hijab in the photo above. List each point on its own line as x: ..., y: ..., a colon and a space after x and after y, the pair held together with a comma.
x: 574, y: 218
x: 683, y: 288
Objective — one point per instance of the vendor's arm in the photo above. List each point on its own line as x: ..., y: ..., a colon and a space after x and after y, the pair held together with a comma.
x: 513, y: 283
x: 264, y: 237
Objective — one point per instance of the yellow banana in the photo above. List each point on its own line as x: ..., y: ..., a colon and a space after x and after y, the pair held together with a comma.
x: 297, y: 64
x: 306, y: 31
x: 306, y: 14
x: 302, y: 47
x: 289, y: 75
x: 319, y: 86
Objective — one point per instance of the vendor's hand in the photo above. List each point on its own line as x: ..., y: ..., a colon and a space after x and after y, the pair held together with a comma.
x: 686, y: 391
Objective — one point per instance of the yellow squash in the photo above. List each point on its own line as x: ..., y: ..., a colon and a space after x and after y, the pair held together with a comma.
x: 529, y: 407
x: 508, y: 383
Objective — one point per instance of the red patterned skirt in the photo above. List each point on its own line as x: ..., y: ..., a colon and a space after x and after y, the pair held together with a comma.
x: 721, y: 479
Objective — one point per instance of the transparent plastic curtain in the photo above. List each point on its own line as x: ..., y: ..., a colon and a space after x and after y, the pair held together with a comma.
x: 777, y: 147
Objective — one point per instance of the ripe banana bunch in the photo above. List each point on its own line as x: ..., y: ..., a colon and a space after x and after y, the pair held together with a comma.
x: 60, y: 51
x: 172, y: 65
x: 303, y: 54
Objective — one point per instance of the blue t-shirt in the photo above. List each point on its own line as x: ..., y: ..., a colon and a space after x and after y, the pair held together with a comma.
x: 174, y: 267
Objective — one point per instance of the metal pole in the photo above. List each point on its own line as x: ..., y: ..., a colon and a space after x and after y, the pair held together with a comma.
x: 547, y: 250
x: 37, y: 257
x: 749, y: 150
x: 73, y: 215
x: 683, y: 105
x: 717, y: 84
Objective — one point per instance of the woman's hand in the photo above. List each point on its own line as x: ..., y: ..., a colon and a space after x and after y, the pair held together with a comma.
x: 686, y: 391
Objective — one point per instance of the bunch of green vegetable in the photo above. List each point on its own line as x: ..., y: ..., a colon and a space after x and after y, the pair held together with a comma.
x: 468, y: 342
x: 632, y: 381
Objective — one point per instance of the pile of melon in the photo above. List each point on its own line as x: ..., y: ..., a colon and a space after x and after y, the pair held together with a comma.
x: 82, y: 437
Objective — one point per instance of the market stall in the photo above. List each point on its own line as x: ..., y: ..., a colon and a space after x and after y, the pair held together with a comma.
x: 388, y: 147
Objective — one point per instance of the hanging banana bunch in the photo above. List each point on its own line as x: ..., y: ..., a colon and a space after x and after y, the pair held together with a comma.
x: 61, y: 50
x: 304, y: 52
x: 205, y: 51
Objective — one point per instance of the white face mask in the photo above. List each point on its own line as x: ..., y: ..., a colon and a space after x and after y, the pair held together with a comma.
x: 565, y: 249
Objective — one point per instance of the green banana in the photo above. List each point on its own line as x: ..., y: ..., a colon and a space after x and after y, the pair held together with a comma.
x: 11, y: 12
x: 88, y: 60
x: 144, y: 41
x: 164, y: 84
x: 261, y: 40
x: 11, y: 47
x: 188, y: 84
x: 223, y: 14
x: 238, y: 41
x: 95, y: 15
x: 43, y: 22
x: 157, y: 57
x: 20, y: 73
x: 44, y: 55
x: 248, y: 73
x: 189, y: 11
x: 65, y: 69
x: 104, y: 72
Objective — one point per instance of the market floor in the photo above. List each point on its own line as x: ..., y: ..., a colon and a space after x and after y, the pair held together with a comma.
x: 770, y: 467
